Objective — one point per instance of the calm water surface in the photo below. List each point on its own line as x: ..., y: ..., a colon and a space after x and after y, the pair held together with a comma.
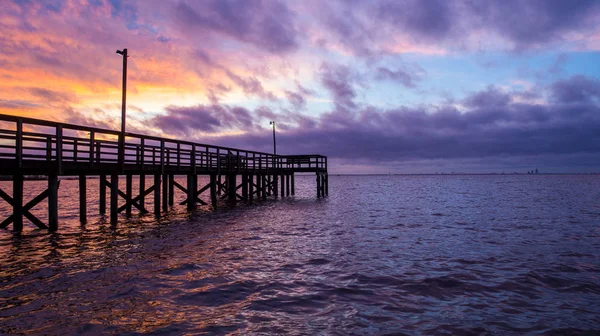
x: 382, y: 254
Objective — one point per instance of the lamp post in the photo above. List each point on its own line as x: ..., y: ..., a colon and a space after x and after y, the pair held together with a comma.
x: 123, y: 110
x: 274, y: 143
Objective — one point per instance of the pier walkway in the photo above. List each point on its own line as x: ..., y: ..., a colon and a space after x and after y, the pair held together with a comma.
x: 44, y: 148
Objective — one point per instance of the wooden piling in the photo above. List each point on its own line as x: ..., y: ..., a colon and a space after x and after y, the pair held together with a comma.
x: 231, y: 185
x: 18, y: 202
x: 293, y: 182
x: 53, y: 202
x: 114, y: 188
x: 287, y: 184
x: 191, y: 192
x: 82, y: 198
x: 251, y: 187
x: 172, y: 190
x: 282, y: 185
x: 327, y: 184
x: 213, y: 190
x: 142, y: 186
x: 318, y: 185
x: 157, y: 195
x: 165, y: 192
x: 128, y: 193
x: 264, y: 187
x: 245, y: 186
x: 102, y: 186
x: 275, y: 185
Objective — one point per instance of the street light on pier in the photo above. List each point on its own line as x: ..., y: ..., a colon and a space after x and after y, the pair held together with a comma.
x: 274, y: 143
x: 123, y: 110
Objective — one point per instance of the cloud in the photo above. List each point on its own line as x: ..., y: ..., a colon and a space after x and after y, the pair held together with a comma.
x: 577, y: 89
x: 406, y: 77
x: 251, y: 85
x: 491, y: 126
x: 339, y: 80
x: 186, y: 121
x: 369, y: 29
x: 269, y: 25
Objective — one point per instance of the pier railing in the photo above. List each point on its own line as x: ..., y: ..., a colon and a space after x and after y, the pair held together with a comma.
x: 38, y: 145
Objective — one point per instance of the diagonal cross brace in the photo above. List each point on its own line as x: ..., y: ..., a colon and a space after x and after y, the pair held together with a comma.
x: 133, y: 201
x: 28, y: 206
x: 197, y: 195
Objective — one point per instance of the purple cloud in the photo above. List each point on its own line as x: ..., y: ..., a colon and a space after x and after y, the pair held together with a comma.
x: 493, y: 126
x: 185, y: 121
x: 268, y: 25
x: 405, y: 77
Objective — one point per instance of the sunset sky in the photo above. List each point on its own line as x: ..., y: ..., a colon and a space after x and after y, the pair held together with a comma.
x: 419, y: 86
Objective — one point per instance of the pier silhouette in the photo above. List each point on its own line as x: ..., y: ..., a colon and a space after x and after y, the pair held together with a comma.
x: 45, y: 148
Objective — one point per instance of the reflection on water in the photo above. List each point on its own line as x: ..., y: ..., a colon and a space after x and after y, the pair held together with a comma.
x: 382, y: 254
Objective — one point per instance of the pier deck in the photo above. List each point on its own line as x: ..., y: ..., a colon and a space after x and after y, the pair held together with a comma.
x: 38, y: 147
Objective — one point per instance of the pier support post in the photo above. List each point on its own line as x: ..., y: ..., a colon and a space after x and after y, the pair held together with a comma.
x: 114, y: 187
x: 220, y: 186
x: 275, y: 185
x: 327, y: 184
x: 142, y: 190
x: 18, y: 203
x: 157, y: 195
x: 213, y: 190
x: 293, y: 184
x: 172, y: 189
x: 82, y: 198
x: 165, y: 191
x: 245, y: 186
x: 231, y: 181
x: 53, y: 202
x: 191, y: 191
x: 264, y: 187
x: 287, y: 184
x: 251, y: 187
x: 318, y: 185
x: 102, y: 185
x: 128, y: 193
x: 269, y: 185
x: 282, y: 185
x: 258, y: 186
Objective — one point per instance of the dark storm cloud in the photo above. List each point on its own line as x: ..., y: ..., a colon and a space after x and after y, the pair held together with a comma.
x: 493, y: 125
x: 266, y: 24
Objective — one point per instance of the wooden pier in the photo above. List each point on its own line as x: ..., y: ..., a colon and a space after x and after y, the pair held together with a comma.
x: 51, y: 149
